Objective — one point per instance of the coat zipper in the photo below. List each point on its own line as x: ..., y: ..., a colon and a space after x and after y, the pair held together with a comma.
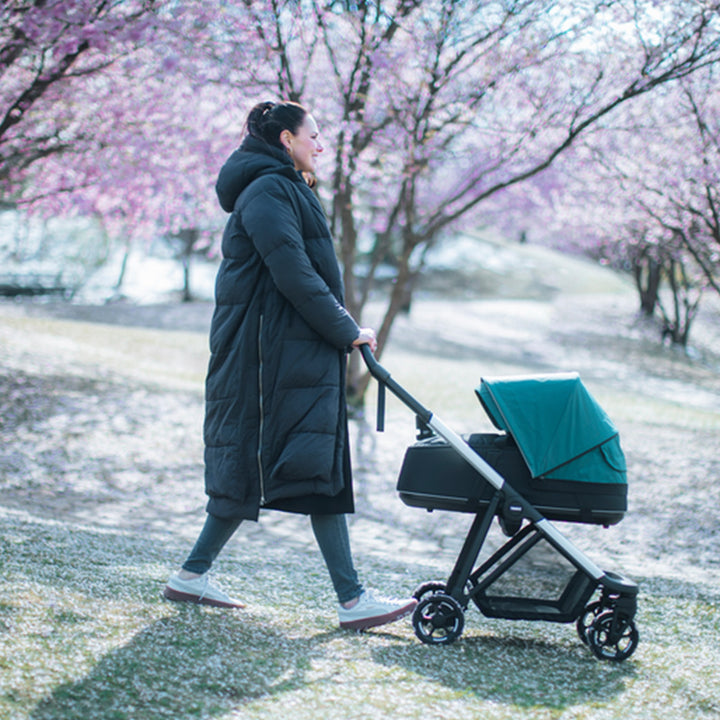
x: 262, y: 416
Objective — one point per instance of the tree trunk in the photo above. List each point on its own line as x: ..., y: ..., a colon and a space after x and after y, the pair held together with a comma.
x: 123, y: 269
x: 188, y: 237
x: 677, y: 328
x: 647, y: 272
x: 399, y: 300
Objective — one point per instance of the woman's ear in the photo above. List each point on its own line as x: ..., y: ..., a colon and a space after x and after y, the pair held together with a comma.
x: 286, y: 139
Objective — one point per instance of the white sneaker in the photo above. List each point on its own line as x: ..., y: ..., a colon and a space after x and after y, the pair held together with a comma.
x: 369, y: 612
x: 199, y: 590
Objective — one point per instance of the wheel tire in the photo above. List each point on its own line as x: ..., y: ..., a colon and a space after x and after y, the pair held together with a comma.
x: 438, y: 619
x: 611, y: 637
x: 429, y: 588
x: 586, y: 619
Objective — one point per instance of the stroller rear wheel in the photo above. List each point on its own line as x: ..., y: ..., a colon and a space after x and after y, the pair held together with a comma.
x: 612, y: 636
x: 429, y: 588
x: 583, y: 623
x: 438, y: 619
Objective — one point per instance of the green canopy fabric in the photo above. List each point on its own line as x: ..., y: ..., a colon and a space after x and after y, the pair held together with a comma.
x: 560, y: 429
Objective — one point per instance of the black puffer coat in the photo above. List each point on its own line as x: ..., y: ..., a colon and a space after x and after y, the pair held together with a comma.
x: 275, y: 422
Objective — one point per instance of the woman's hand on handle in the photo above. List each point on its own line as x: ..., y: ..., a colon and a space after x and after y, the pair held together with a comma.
x: 366, y: 336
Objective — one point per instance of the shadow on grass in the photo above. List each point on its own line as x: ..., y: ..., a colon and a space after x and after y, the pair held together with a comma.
x: 205, y: 663
x: 515, y: 671
x: 196, y: 663
x: 200, y: 662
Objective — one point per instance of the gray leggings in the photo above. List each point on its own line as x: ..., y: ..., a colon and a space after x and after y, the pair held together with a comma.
x: 331, y: 534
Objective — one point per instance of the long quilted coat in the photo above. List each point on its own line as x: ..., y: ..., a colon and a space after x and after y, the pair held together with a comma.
x: 275, y: 422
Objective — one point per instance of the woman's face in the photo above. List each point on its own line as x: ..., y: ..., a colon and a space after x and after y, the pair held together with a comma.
x: 303, y: 146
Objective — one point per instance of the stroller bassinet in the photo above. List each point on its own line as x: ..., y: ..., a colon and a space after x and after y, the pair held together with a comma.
x: 559, y: 450
x: 558, y: 457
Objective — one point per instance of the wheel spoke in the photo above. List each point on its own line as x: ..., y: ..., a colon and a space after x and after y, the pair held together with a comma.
x: 611, y: 637
x: 438, y: 619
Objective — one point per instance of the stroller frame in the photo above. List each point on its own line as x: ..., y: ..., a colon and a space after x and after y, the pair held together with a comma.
x: 606, y: 625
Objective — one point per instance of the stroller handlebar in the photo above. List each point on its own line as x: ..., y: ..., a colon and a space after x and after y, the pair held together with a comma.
x: 375, y: 368
x: 385, y: 380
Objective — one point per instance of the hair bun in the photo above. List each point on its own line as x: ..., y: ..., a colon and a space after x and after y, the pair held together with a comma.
x: 268, y: 119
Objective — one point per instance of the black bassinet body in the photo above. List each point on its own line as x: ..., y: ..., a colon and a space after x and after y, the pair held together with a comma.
x: 434, y: 476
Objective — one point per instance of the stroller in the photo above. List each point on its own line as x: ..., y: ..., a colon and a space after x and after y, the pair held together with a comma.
x: 558, y: 458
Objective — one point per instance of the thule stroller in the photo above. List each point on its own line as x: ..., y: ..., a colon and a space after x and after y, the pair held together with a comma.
x: 557, y: 458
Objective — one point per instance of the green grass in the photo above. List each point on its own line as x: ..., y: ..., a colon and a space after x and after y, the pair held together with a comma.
x: 85, y: 634
x: 91, y: 525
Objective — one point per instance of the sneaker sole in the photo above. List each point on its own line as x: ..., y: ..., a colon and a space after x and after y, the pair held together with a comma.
x: 177, y: 596
x: 376, y: 620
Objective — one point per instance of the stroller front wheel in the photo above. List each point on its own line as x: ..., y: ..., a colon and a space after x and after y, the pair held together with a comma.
x: 612, y: 636
x: 439, y: 619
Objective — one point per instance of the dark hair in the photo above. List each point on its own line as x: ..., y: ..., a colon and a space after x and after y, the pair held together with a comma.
x: 268, y: 119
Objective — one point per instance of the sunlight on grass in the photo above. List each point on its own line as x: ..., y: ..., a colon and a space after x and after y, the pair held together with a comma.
x: 656, y: 411
x: 85, y: 634
x: 171, y: 358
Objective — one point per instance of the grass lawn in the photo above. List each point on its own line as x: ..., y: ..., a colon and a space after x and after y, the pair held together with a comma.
x: 84, y: 634
x: 102, y: 497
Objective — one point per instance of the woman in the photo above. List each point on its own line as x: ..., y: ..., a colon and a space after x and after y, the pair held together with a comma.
x: 275, y: 422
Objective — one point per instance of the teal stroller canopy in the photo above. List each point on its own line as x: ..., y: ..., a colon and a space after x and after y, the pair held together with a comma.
x: 560, y: 429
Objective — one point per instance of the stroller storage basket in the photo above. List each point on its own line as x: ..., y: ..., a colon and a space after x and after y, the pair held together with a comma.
x: 434, y: 476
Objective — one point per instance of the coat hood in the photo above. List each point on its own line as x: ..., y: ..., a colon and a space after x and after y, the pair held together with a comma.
x: 253, y: 159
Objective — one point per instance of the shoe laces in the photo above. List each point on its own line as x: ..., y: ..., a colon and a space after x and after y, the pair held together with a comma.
x: 205, y: 584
